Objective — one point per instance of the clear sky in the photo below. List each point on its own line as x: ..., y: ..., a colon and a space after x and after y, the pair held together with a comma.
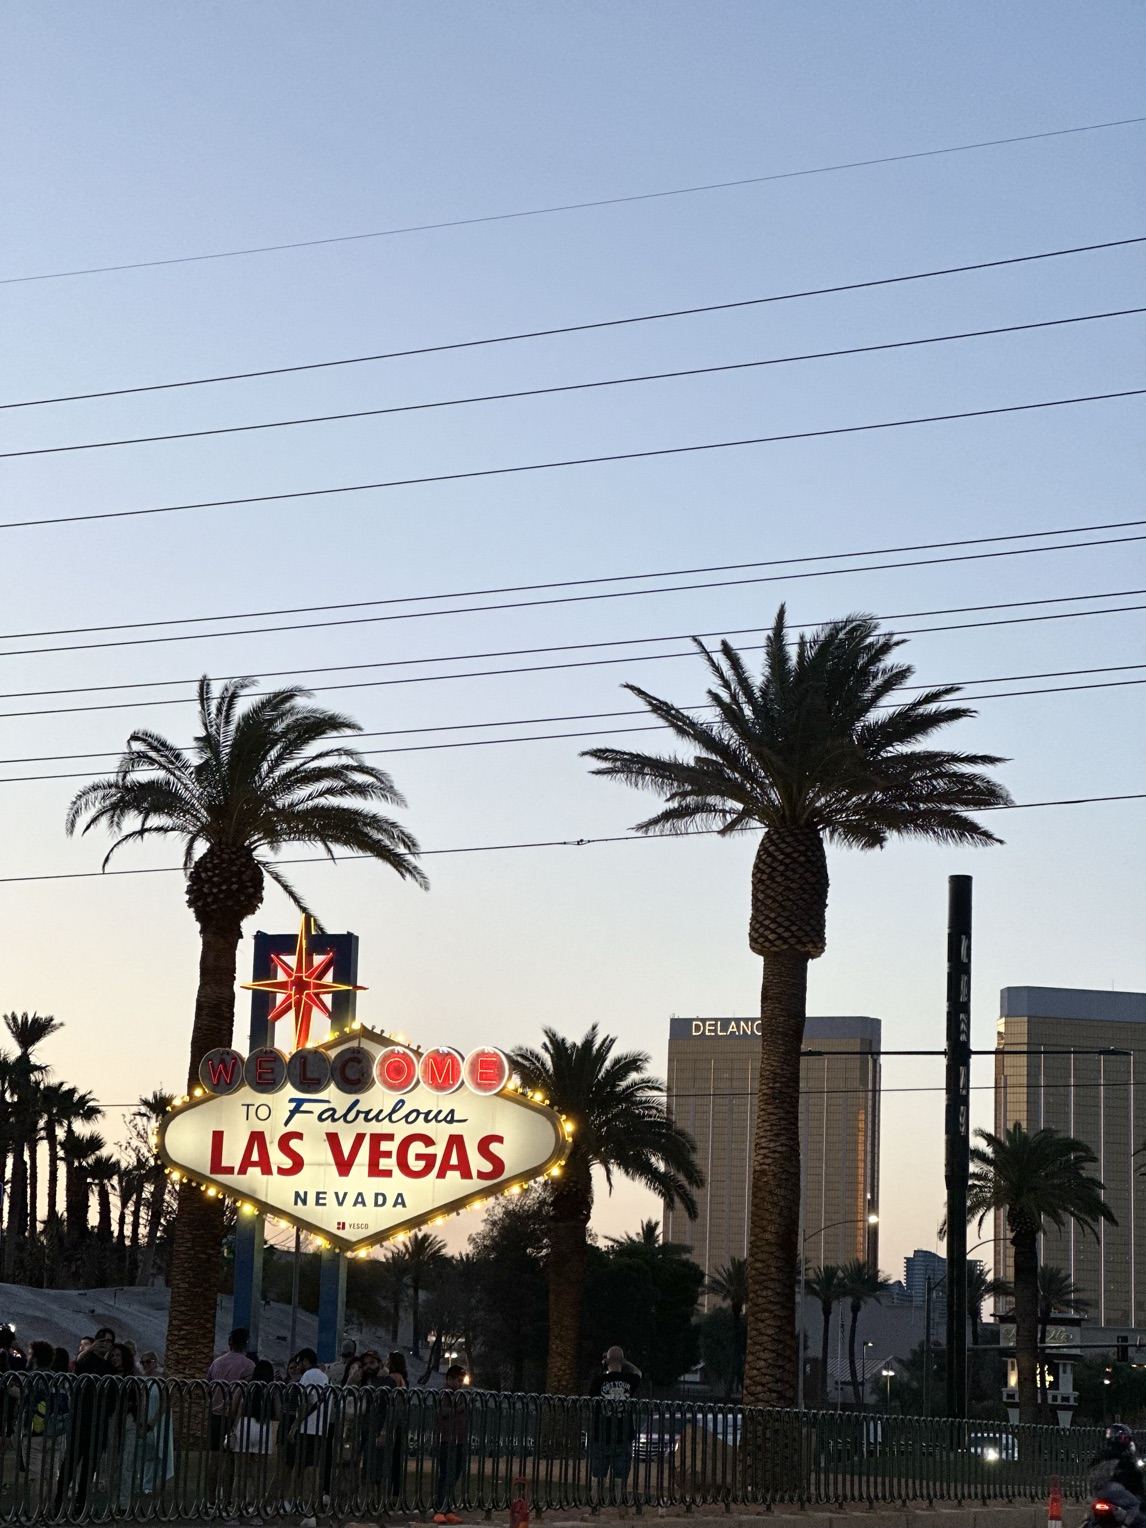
x: 135, y: 132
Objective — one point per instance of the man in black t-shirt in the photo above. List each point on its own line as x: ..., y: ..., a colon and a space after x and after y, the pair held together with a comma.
x: 611, y: 1435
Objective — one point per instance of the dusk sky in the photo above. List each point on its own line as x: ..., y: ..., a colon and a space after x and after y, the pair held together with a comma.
x: 138, y: 133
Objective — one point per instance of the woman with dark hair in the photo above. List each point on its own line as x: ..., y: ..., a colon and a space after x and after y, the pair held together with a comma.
x: 119, y: 1404
x: 397, y: 1425
x: 255, y: 1410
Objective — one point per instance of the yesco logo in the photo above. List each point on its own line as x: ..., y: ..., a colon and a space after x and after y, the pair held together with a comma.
x: 355, y: 1069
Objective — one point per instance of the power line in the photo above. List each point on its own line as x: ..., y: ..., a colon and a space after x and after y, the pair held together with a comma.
x: 566, y: 387
x: 579, y: 583
x: 551, y: 843
x: 600, y: 732
x: 583, y: 328
x: 566, y: 647
x: 577, y: 716
x: 548, y: 211
x: 574, y: 461
x: 727, y: 583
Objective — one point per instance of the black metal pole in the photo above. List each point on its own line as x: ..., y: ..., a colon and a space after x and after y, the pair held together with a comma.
x: 927, y: 1349
x: 957, y: 1160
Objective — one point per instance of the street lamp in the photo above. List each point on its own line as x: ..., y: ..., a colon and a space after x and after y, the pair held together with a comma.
x: 870, y: 1219
x: 888, y: 1374
x: 863, y: 1384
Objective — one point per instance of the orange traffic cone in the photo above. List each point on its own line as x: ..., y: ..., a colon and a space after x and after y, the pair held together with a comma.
x: 1054, y: 1504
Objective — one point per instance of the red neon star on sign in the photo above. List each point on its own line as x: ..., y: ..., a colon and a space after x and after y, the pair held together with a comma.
x: 301, y: 985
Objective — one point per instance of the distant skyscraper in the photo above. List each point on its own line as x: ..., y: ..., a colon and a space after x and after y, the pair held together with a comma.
x: 1075, y: 1061
x: 713, y: 1074
x: 920, y: 1267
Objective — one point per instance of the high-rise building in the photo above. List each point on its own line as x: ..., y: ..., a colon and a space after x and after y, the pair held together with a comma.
x: 1075, y: 1061
x: 920, y: 1267
x: 713, y: 1074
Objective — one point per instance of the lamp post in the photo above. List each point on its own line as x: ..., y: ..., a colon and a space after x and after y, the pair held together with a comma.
x: 888, y: 1374
x: 863, y: 1382
x: 871, y: 1219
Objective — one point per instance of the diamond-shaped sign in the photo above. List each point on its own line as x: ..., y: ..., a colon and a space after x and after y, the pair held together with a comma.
x: 360, y: 1139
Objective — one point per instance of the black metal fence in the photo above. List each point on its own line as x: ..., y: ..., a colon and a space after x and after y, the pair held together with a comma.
x: 82, y: 1449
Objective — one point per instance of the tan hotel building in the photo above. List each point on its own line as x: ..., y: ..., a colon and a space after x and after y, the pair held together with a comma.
x: 1074, y: 1060
x: 713, y: 1073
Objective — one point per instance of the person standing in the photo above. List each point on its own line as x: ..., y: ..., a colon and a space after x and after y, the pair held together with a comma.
x: 453, y: 1430
x: 311, y: 1433
x: 337, y: 1371
x: 611, y: 1432
x: 87, y: 1427
x: 229, y: 1369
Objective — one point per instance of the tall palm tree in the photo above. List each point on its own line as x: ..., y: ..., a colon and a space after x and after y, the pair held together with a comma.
x: 1026, y: 1180
x: 827, y: 1285
x: 152, y: 1108
x: 730, y: 1284
x: 79, y: 1149
x: 63, y: 1108
x: 817, y: 750
x: 260, y: 777
x: 425, y: 1254
x: 25, y: 1078
x: 620, y: 1125
x: 861, y: 1283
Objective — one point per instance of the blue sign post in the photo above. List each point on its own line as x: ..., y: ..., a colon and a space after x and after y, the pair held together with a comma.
x: 296, y: 978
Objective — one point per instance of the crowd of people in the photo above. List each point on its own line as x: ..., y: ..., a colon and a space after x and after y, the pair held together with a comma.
x: 104, y: 1421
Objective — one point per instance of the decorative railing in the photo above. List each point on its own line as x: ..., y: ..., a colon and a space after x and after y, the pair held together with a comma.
x: 86, y: 1449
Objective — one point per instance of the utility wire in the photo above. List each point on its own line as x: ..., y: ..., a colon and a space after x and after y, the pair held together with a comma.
x: 567, y: 647
x: 583, y: 328
x: 600, y: 732
x: 574, y: 461
x: 549, y: 211
x: 409, y: 615
x: 577, y: 583
x: 566, y: 387
x: 549, y: 843
x: 577, y: 716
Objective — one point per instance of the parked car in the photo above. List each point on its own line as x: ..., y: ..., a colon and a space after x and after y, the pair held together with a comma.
x: 994, y: 1447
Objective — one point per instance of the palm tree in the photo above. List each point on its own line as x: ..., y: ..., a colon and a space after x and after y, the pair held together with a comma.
x: 619, y: 1123
x: 730, y: 1284
x: 861, y: 1283
x: 826, y: 1285
x: 425, y: 1254
x: 817, y: 750
x: 63, y: 1107
x: 395, y: 1277
x: 102, y: 1171
x: 1027, y: 1180
x: 259, y: 778
x: 152, y: 1108
x: 25, y: 1078
x: 79, y: 1149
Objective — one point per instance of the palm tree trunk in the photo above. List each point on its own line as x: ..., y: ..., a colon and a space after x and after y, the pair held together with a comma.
x: 825, y: 1332
x: 567, y: 1264
x: 33, y: 1177
x: 415, y: 1295
x: 1025, y: 1243
x: 154, y: 1220
x: 52, y: 1208
x: 196, y: 1258
x: 852, y: 1370
x: 774, y: 1225
x: 17, y: 1211
x: 396, y: 1315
